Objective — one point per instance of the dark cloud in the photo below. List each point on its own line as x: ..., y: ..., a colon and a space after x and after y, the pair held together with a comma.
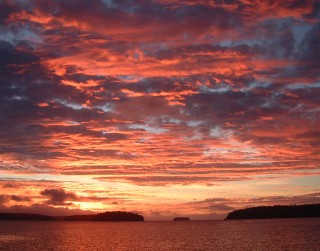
x: 4, y: 198
x: 310, y: 48
x: 18, y: 198
x: 309, y: 135
x: 58, y: 196
x: 7, y: 8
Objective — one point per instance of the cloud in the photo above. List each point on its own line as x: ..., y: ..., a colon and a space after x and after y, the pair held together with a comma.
x: 158, y: 93
x: 58, y: 196
x: 19, y: 198
x: 5, y: 198
x: 44, y: 210
x: 220, y: 207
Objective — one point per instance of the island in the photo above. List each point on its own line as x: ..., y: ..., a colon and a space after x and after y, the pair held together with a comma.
x: 278, y: 211
x: 28, y: 217
x: 107, y: 216
x: 86, y: 217
x: 181, y: 219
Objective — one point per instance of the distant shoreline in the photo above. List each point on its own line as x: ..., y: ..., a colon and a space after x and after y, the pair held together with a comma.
x: 25, y: 217
x: 276, y: 212
x: 106, y: 216
x: 260, y: 212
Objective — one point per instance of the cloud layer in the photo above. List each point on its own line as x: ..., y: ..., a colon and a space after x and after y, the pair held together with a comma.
x: 158, y: 93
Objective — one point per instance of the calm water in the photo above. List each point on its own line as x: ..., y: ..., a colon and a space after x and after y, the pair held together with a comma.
x: 280, y: 234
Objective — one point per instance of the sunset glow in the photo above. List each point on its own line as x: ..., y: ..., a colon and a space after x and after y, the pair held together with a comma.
x: 160, y: 107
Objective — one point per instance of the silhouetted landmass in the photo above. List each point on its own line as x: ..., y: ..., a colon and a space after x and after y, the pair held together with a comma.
x: 79, y: 217
x: 279, y: 211
x: 107, y: 216
x: 30, y: 217
x: 181, y: 219
x: 59, y: 218
x: 117, y: 216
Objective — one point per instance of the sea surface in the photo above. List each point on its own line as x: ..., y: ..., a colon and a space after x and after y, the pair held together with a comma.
x: 274, y: 234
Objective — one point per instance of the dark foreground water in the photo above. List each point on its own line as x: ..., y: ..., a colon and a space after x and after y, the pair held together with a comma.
x: 277, y: 234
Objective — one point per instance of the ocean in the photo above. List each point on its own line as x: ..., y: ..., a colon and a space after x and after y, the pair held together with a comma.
x: 269, y: 234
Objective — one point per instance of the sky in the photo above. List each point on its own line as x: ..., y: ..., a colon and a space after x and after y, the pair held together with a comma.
x: 161, y: 107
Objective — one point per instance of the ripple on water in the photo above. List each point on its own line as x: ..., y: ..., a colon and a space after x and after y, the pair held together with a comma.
x: 13, y: 238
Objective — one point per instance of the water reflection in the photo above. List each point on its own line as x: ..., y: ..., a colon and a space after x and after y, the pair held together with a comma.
x: 279, y: 234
